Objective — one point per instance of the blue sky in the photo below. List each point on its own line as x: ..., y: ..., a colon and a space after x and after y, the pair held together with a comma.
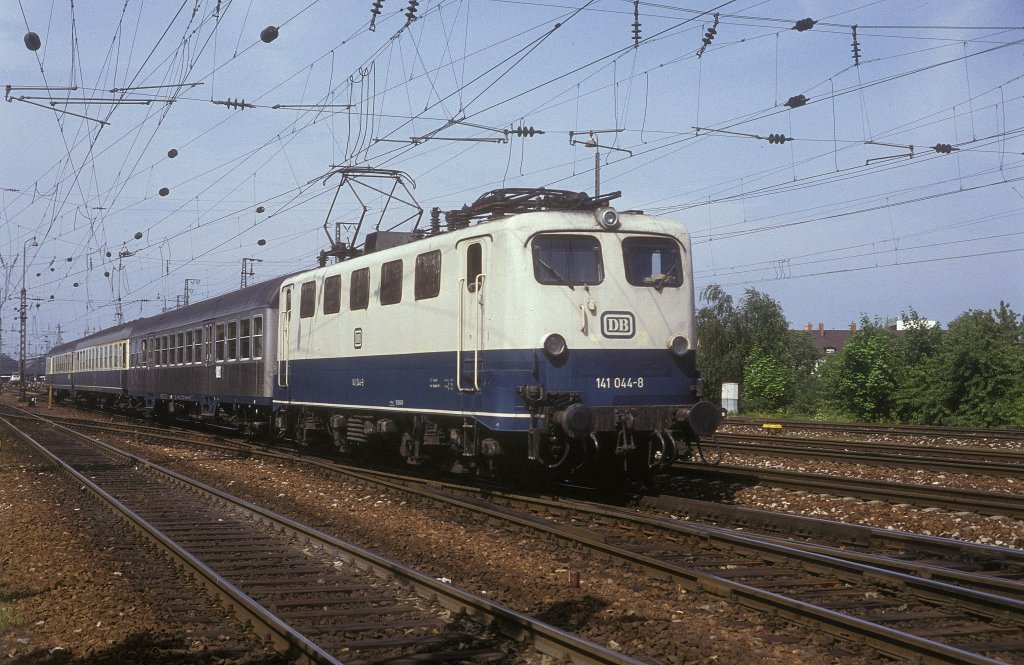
x: 841, y: 219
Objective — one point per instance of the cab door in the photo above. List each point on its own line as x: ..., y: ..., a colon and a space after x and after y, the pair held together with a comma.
x: 284, y: 336
x: 474, y: 257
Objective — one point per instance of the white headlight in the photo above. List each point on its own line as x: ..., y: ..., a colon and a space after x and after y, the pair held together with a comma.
x: 555, y: 346
x: 608, y: 218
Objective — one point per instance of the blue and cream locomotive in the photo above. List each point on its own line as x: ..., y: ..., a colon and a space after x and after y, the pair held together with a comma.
x: 540, y: 332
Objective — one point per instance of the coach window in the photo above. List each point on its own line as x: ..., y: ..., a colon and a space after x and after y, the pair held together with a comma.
x: 181, y: 348
x: 220, y: 342
x: 188, y: 347
x: 474, y: 265
x: 197, y: 353
x: 307, y: 300
x: 208, y: 335
x: 244, y: 337
x: 428, y: 275
x: 391, y: 282
x: 257, y: 336
x: 164, y: 351
x: 567, y: 260
x: 332, y: 294
x: 359, y: 289
x: 652, y: 262
x: 233, y: 340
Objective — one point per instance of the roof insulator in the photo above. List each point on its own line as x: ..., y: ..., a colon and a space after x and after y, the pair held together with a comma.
x: 794, y: 102
x: 804, y: 24
x: 32, y: 42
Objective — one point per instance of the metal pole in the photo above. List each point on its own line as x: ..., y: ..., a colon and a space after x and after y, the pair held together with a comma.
x: 597, y: 171
x: 24, y: 318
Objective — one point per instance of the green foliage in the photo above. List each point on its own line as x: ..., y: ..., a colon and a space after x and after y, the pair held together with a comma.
x: 976, y: 376
x: 728, y: 337
x: 728, y: 333
x: 860, y: 382
x: 970, y: 375
x: 767, y: 383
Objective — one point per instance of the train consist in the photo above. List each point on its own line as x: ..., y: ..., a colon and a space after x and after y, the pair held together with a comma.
x: 539, y: 332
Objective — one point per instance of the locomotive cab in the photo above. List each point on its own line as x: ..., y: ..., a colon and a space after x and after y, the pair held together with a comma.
x: 607, y: 299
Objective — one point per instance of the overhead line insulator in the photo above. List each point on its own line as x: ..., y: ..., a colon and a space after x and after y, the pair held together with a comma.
x: 376, y: 9
x: 708, y: 36
x: 944, y: 148
x: 526, y: 131
x: 410, y: 12
x: 856, y: 48
x: 778, y: 138
x: 636, y: 23
x: 234, y: 103
x: 796, y: 101
x: 804, y: 24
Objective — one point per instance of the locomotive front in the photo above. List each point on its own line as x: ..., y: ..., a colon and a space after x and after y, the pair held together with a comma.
x: 606, y: 300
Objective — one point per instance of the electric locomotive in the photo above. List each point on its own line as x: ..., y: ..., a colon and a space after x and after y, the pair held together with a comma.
x: 543, y: 330
x: 539, y: 333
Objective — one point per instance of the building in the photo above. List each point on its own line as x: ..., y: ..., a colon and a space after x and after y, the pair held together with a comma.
x: 829, y: 341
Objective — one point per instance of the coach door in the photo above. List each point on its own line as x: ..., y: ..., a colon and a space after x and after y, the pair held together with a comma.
x: 473, y: 260
x: 284, y: 337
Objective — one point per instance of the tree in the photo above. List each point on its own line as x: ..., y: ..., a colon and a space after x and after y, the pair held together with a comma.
x: 767, y: 383
x: 860, y: 382
x: 916, y: 392
x: 976, y: 376
x: 728, y: 335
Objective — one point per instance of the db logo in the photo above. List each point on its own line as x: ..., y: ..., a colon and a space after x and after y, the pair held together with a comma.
x: 618, y: 324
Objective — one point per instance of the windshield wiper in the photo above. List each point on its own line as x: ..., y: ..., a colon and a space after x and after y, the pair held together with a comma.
x: 660, y: 280
x: 557, y: 275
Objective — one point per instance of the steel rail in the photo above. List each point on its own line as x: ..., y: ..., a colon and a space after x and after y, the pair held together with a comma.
x: 950, y: 498
x: 545, y: 638
x: 887, y: 640
x: 264, y: 623
x: 877, y: 428
x: 894, y: 642
x: 1003, y: 463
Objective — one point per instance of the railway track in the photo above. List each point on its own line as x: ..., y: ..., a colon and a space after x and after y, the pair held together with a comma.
x: 952, y: 459
x: 856, y: 601
x: 860, y: 597
x: 316, y: 597
x: 874, y: 428
x: 931, y: 496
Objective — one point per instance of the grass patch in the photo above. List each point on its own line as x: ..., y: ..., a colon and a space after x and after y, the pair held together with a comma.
x: 8, y: 619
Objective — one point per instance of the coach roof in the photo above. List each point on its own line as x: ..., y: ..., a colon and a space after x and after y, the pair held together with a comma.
x: 259, y: 296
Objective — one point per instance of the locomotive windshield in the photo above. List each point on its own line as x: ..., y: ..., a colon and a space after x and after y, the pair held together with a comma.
x: 652, y: 262
x: 567, y: 259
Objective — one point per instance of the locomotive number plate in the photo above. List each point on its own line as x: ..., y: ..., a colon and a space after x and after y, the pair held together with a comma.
x: 609, y: 382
